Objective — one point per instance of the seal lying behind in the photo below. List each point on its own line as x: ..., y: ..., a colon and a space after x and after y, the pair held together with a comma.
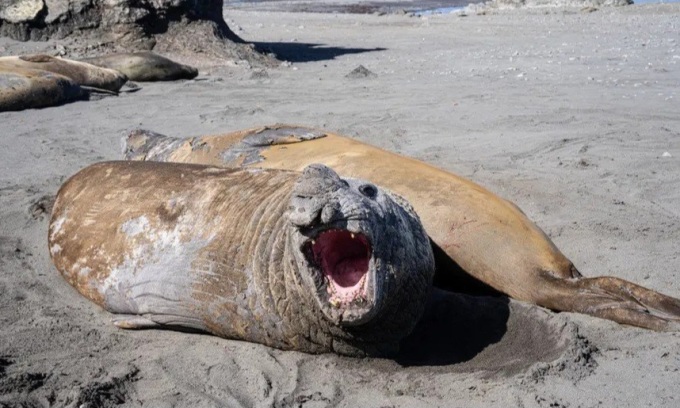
x: 79, y: 72
x: 308, y: 261
x: 144, y: 66
x: 23, y: 88
x: 472, y: 229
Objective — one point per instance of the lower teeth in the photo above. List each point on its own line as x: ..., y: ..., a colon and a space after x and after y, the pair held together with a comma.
x: 356, y: 295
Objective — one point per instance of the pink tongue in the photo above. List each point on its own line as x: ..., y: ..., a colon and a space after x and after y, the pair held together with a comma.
x: 348, y: 272
x: 343, y: 257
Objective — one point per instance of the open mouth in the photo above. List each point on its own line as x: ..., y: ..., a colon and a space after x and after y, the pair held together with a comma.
x: 343, y: 258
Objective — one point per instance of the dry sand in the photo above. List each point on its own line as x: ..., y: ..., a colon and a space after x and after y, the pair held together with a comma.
x: 574, y: 116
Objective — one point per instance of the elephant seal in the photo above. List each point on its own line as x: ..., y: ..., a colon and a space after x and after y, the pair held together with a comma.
x: 305, y: 261
x: 474, y: 232
x: 24, y: 88
x: 144, y: 66
x: 79, y: 72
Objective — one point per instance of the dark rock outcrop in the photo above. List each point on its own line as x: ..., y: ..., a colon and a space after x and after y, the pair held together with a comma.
x: 126, y: 25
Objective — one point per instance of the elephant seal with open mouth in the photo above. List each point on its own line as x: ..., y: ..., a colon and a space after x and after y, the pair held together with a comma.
x: 475, y: 233
x: 305, y: 261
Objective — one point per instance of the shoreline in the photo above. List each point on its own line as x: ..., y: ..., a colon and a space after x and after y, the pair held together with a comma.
x: 420, y: 7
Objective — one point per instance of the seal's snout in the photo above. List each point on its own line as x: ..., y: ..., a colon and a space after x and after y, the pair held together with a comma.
x: 319, y: 179
x: 310, y: 204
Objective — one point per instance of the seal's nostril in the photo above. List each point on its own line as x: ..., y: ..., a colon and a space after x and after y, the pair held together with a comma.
x: 368, y: 190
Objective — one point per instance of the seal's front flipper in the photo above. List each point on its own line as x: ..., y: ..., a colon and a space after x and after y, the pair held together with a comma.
x: 281, y: 134
x: 158, y: 321
x: 231, y: 150
x: 132, y: 322
x: 248, y: 150
x: 616, y: 299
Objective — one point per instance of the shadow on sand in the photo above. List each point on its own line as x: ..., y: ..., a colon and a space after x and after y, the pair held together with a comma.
x: 308, y: 52
x: 454, y: 329
x: 465, y: 333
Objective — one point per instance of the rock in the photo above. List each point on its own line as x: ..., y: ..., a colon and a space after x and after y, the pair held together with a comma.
x: 361, y: 72
x: 20, y: 11
x: 129, y: 25
x: 57, y: 9
x: 38, y: 19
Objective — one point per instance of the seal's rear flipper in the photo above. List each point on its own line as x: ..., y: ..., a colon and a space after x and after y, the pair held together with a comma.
x: 132, y: 322
x: 616, y: 299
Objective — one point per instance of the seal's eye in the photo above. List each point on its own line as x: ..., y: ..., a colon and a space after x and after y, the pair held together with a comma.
x: 368, y: 190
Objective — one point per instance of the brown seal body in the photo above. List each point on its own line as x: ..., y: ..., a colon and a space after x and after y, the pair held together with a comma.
x: 144, y: 66
x: 24, y: 88
x: 490, y: 238
x: 81, y: 73
x: 305, y: 261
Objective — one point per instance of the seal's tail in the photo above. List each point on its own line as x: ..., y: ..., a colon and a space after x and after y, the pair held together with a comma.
x: 616, y: 299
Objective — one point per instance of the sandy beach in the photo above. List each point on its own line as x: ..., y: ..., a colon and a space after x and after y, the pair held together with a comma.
x: 572, y: 114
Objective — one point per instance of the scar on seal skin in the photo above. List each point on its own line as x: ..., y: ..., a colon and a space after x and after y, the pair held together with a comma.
x: 477, y: 236
x: 306, y: 261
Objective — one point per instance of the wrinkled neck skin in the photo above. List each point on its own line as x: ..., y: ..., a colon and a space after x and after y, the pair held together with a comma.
x: 275, y: 304
x: 246, y: 287
x: 284, y: 300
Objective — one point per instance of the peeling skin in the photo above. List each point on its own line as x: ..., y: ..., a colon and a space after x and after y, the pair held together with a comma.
x: 476, y: 234
x: 135, y: 226
x: 220, y: 250
x: 55, y: 227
